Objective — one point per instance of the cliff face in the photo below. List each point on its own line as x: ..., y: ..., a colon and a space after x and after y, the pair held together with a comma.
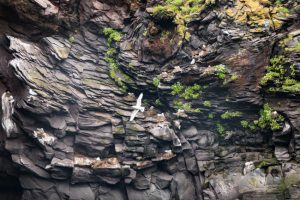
x: 221, y: 86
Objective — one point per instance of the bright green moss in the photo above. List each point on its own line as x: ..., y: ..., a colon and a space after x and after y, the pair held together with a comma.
x: 244, y: 124
x: 280, y: 75
x: 220, y: 129
x: 113, y: 35
x: 248, y: 125
x: 156, y: 81
x: 191, y: 92
x: 220, y: 71
x: 230, y: 115
x: 110, y: 57
x: 185, y: 106
x: 176, y: 88
x: 210, y: 116
x: 270, y: 76
x: 296, y: 48
x: 207, y: 104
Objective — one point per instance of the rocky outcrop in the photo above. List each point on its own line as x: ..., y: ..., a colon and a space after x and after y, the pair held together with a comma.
x: 72, y: 70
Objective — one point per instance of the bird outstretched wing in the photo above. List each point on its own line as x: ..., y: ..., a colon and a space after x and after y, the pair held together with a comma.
x: 139, y: 100
x: 133, y: 114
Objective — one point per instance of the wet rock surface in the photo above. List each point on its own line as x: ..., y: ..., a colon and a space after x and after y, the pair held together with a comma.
x: 65, y: 129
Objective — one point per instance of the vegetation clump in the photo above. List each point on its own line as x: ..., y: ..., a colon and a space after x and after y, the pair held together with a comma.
x: 177, y: 88
x: 192, y: 92
x: 222, y: 73
x: 207, y: 104
x: 186, y: 107
x: 188, y: 93
x: 156, y: 81
x: 269, y: 119
x: 113, y: 35
x: 280, y: 76
x: 180, y: 11
x: 110, y: 57
x: 230, y: 115
x: 220, y: 129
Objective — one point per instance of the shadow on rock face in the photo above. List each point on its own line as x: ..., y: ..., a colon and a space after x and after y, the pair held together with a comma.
x: 10, y: 188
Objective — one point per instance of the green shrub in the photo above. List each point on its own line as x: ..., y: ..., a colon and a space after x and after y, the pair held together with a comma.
x: 267, y: 120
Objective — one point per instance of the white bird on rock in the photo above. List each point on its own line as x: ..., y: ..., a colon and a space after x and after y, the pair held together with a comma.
x: 138, y: 107
x: 193, y: 61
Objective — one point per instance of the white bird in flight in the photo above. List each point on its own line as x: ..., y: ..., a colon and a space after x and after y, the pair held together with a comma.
x: 138, y: 107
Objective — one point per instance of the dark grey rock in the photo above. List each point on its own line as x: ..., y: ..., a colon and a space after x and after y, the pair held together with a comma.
x: 161, y: 180
x: 81, y: 192
x: 182, y: 186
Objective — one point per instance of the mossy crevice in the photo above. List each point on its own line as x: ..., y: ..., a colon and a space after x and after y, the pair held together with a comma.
x: 114, y: 37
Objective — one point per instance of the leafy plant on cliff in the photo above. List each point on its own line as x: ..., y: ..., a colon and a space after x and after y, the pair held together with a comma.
x: 269, y: 119
x: 220, y: 71
x: 185, y: 106
x: 230, y: 115
x: 192, y: 92
x: 280, y: 76
x: 176, y: 88
x: 113, y: 35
